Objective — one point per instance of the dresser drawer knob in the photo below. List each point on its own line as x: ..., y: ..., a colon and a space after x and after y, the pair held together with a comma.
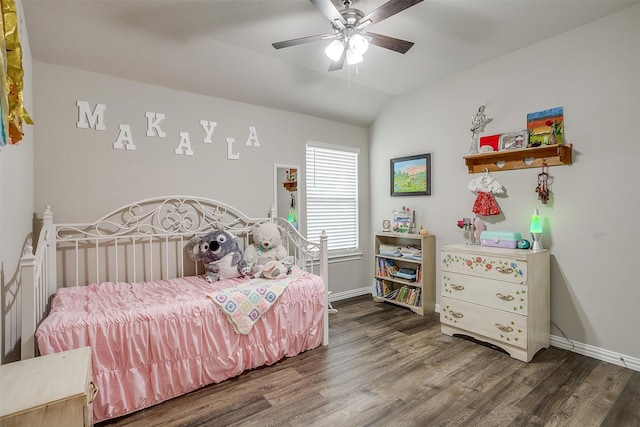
x: 504, y: 328
x: 457, y: 287
x: 456, y: 314
x: 505, y: 297
x: 94, y: 392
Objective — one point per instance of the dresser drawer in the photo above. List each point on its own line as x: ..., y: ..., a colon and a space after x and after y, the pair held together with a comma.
x: 482, y: 265
x: 507, y: 296
x: 499, y: 325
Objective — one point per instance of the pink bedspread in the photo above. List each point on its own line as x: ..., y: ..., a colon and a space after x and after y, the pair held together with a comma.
x: 158, y: 340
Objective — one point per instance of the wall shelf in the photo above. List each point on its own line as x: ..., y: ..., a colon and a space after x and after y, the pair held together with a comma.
x: 535, y: 157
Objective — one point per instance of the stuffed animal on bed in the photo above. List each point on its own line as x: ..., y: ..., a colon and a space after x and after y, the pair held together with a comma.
x: 266, y: 247
x: 220, y: 254
x: 272, y: 269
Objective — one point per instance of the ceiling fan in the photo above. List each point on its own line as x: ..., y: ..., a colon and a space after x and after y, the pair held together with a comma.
x: 350, y: 40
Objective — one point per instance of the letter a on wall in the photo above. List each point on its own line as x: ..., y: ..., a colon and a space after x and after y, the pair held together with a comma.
x: 124, y: 136
x: 184, y: 144
x: 252, y: 140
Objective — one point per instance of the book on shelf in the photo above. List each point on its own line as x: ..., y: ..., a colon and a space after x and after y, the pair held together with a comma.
x: 405, y: 294
x: 382, y: 287
x: 392, y: 295
x: 406, y: 273
x: 386, y: 267
x: 386, y: 288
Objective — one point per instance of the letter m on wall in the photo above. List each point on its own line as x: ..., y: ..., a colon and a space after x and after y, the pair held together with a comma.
x: 88, y: 118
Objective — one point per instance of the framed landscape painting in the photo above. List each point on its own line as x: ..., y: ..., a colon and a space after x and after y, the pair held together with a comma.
x: 411, y: 176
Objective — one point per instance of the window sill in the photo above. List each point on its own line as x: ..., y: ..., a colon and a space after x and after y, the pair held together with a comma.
x: 344, y: 257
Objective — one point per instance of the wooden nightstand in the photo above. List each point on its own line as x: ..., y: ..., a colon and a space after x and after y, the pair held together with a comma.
x: 52, y: 390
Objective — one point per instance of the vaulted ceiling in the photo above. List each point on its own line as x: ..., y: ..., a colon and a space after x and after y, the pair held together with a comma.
x: 223, y: 48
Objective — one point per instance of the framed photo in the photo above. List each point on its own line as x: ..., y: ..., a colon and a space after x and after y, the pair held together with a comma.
x: 514, y: 141
x: 411, y: 176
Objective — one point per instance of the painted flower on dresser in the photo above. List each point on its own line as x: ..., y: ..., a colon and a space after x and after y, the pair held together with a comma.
x: 487, y: 264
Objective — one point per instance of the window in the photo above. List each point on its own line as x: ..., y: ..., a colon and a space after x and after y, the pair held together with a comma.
x: 332, y: 195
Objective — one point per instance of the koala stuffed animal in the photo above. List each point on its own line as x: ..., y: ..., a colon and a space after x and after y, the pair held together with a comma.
x: 220, y: 254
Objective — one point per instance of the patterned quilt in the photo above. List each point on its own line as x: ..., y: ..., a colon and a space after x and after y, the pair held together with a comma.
x: 244, y: 304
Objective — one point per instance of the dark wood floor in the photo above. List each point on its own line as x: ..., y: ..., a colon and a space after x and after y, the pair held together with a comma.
x: 386, y: 366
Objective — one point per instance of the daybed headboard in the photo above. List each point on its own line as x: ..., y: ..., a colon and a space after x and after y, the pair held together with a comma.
x: 142, y: 241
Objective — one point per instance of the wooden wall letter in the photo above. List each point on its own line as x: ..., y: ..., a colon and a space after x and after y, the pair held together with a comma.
x: 184, y: 144
x: 88, y: 119
x: 230, y: 154
x: 208, y: 127
x: 153, y: 123
x: 124, y: 136
x: 253, y: 137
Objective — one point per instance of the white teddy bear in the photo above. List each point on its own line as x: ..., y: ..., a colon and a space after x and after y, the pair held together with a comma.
x: 266, y: 254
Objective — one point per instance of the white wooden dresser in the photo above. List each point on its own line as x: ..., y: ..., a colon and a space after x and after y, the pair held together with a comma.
x: 52, y: 390
x: 499, y: 296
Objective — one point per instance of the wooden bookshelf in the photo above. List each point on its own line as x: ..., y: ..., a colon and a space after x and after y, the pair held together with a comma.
x: 419, y: 295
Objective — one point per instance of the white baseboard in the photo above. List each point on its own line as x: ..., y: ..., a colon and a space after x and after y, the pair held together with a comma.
x: 596, y: 353
x: 556, y: 341
x: 337, y: 296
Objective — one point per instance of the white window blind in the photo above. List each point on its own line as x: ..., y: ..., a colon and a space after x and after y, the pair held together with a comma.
x: 332, y: 195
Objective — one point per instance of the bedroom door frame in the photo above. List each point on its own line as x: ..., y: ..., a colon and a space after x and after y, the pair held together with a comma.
x: 281, y: 196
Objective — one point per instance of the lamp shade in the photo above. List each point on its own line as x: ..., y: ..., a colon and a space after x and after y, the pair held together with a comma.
x: 334, y: 50
x: 536, y: 224
x: 358, y: 44
x: 353, y: 58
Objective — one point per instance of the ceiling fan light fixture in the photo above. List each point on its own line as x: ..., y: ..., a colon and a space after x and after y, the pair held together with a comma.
x: 334, y: 50
x: 358, y: 44
x: 353, y: 58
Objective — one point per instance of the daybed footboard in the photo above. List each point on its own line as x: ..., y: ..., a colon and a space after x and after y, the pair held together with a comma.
x: 140, y: 242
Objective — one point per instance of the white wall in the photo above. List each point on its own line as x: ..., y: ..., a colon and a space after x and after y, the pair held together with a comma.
x: 16, y: 207
x: 592, y: 217
x: 82, y: 177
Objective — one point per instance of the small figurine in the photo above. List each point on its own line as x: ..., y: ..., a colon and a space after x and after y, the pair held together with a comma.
x: 477, y: 124
x: 479, y: 120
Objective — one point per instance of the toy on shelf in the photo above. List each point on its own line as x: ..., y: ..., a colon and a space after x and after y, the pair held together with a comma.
x: 404, y: 221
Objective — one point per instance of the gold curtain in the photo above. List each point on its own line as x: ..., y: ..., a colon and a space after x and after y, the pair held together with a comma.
x: 13, y: 111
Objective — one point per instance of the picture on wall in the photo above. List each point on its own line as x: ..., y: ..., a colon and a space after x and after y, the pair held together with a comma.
x: 411, y: 176
x: 546, y: 127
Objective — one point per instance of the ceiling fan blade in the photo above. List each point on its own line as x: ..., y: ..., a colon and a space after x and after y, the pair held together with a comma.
x: 302, y: 40
x: 337, y: 65
x: 330, y: 11
x: 392, y: 43
x: 388, y: 9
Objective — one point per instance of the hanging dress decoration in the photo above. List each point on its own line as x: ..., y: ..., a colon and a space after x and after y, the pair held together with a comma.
x: 485, y: 186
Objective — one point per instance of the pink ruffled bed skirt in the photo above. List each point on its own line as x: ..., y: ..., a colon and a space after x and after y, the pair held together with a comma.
x: 157, y: 340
